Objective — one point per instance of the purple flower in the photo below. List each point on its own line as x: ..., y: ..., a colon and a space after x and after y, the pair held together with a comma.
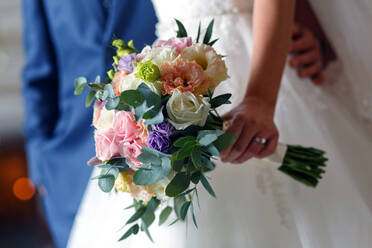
x: 126, y: 63
x: 159, y: 141
x: 164, y: 127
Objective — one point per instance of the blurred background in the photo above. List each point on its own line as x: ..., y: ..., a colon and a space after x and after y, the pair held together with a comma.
x: 21, y: 221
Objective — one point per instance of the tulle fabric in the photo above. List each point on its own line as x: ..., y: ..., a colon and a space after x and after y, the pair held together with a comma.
x: 256, y: 205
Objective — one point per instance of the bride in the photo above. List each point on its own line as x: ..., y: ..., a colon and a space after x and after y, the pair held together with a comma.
x: 256, y: 206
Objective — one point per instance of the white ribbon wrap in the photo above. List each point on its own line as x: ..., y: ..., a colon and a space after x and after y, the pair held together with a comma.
x: 277, y: 157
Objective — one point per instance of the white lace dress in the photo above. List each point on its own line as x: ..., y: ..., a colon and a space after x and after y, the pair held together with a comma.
x: 256, y: 205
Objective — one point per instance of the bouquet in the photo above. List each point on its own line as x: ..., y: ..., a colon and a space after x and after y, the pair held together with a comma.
x: 158, y: 131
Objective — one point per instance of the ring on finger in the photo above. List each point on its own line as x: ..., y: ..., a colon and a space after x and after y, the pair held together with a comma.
x: 261, y: 141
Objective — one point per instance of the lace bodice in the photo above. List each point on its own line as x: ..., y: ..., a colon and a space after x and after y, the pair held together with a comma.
x: 167, y: 10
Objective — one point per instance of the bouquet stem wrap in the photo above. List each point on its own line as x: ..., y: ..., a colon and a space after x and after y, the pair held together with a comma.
x: 303, y: 164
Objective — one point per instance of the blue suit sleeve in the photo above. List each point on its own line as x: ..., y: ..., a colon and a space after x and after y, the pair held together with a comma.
x: 40, y: 76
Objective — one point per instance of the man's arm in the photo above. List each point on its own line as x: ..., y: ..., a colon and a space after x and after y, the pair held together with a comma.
x: 40, y: 82
x: 40, y: 79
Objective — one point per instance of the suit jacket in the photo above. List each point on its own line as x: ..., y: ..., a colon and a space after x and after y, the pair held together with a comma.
x: 64, y: 40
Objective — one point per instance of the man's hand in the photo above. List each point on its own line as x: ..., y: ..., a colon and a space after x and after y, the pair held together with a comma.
x: 307, y: 57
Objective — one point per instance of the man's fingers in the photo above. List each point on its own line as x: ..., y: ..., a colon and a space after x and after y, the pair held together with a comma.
x: 296, y: 31
x: 318, y: 79
x: 303, y: 43
x: 311, y: 70
x: 305, y: 58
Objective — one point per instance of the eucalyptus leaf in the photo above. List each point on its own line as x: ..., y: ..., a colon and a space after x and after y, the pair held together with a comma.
x: 220, y: 100
x: 207, y: 163
x: 158, y: 118
x: 98, y: 79
x: 207, y: 186
x: 196, y: 156
x: 90, y: 98
x: 164, y: 215
x: 102, y: 95
x: 186, y: 150
x: 224, y: 141
x: 145, y: 228
x: 178, y: 202
x: 213, y: 150
x: 182, y: 141
x: 106, y: 183
x: 198, y: 35
x: 184, y: 210
x: 79, y: 84
x: 195, y: 177
x: 112, y: 103
x: 110, y: 91
x: 177, y: 165
x: 154, y: 174
x: 132, y: 230
x: 193, y: 215
x: 138, y: 214
x: 96, y: 86
x: 131, y: 97
x: 178, y: 184
x: 212, y: 42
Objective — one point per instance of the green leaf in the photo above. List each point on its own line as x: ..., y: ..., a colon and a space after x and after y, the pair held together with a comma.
x: 178, y: 202
x: 153, y: 101
x: 193, y: 216
x: 131, y: 97
x: 178, y: 165
x: 102, y: 95
x: 141, y: 110
x: 184, y: 209
x: 182, y: 141
x: 138, y: 214
x: 207, y: 137
x: 158, y: 118
x: 148, y: 157
x: 212, y: 42
x: 145, y: 228
x: 196, y: 156
x: 106, y: 183
x: 152, y: 205
x: 207, y: 163
x: 120, y: 163
x: 181, y: 29
x: 148, y: 218
x: 208, y: 33
x: 79, y: 84
x: 98, y: 79
x: 110, y: 91
x: 90, y: 98
x: 198, y: 36
x: 164, y: 215
x: 185, y: 151
x: 224, y: 141
x: 96, y: 86
x: 195, y: 178
x: 132, y: 230
x: 178, y: 184
x: 207, y: 186
x: 112, y: 103
x: 154, y: 174
x: 220, y: 100
x: 213, y: 150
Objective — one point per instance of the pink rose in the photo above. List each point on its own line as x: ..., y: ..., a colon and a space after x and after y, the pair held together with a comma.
x: 178, y: 43
x: 106, y: 145
x: 125, y: 125
x: 131, y: 150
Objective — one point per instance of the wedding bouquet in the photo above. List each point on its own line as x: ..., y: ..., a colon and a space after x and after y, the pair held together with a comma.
x: 158, y: 130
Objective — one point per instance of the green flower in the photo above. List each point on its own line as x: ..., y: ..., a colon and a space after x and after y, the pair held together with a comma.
x: 123, y: 49
x: 148, y: 71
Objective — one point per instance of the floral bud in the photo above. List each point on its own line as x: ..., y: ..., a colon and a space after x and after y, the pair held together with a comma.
x: 148, y: 71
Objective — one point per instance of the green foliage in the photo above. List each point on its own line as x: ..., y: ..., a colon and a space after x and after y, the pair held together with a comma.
x: 106, y: 183
x: 155, y: 167
x: 90, y: 98
x: 178, y: 184
x: 207, y: 186
x: 208, y: 33
x: 181, y: 32
x: 131, y: 97
x: 198, y: 35
x: 79, y: 85
x: 132, y: 230
x: 207, y: 137
x: 164, y: 215
x: 184, y: 209
x: 224, y: 141
x: 220, y: 100
x: 138, y: 214
x: 183, y: 141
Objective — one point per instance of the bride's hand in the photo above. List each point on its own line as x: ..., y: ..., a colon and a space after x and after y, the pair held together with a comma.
x: 250, y: 120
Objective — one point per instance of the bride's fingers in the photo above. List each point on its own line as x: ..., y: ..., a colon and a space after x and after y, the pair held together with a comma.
x: 240, y: 146
x: 311, y: 70
x: 269, y: 147
x: 236, y: 127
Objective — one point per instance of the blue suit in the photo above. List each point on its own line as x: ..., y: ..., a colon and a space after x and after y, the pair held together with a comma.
x: 64, y: 40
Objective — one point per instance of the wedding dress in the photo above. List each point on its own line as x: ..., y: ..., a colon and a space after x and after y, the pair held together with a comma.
x: 256, y: 205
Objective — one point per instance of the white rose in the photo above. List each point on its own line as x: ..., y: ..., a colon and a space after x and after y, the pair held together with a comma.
x: 130, y: 82
x: 185, y: 109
